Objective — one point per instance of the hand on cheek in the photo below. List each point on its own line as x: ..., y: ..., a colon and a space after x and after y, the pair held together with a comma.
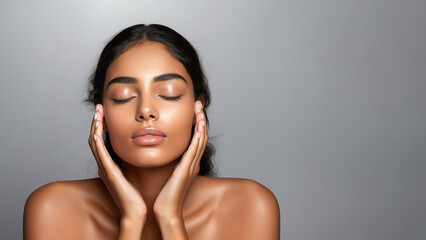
x: 169, y: 203
x: 126, y: 197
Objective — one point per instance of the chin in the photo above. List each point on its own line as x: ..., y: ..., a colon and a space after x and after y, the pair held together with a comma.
x: 149, y: 164
x: 149, y: 157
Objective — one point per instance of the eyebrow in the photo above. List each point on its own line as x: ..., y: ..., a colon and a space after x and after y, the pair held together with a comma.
x: 159, y: 78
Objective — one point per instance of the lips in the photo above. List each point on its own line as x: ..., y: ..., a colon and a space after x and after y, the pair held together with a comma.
x: 148, y: 136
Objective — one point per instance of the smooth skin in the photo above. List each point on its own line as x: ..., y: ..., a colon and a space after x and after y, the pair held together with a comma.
x: 157, y: 193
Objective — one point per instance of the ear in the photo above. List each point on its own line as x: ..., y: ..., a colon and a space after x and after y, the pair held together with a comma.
x: 203, y: 101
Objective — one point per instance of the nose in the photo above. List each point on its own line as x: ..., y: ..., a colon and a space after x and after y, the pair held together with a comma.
x: 146, y: 112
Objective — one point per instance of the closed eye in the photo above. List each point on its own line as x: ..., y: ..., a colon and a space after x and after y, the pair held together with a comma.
x: 119, y: 101
x: 175, y: 98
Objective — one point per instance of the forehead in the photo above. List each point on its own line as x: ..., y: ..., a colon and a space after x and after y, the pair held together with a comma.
x: 144, y: 62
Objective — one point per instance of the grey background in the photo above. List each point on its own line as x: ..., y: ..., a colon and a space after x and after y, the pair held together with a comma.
x: 321, y: 101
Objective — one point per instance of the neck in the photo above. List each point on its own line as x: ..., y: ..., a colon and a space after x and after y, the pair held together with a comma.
x: 148, y: 181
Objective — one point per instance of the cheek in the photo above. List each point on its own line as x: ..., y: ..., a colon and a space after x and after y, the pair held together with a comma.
x: 176, y: 121
x: 116, y: 124
x: 179, y: 130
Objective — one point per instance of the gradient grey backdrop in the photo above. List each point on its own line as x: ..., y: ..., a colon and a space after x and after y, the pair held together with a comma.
x: 321, y: 101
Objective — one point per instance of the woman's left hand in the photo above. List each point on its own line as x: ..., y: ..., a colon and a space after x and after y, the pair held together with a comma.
x: 169, y: 202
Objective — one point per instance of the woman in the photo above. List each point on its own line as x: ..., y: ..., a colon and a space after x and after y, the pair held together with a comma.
x: 154, y: 162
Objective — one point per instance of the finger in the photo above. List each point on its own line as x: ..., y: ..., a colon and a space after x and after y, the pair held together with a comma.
x: 99, y: 138
x: 201, y: 145
x: 95, y: 122
x: 96, y: 117
x: 200, y: 148
x: 105, y: 159
x: 96, y: 136
x: 189, y: 155
x: 205, y: 141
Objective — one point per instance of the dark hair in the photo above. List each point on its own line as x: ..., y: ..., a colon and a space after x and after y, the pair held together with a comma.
x: 179, y: 48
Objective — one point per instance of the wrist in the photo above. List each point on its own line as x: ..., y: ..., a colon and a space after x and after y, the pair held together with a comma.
x: 131, y: 228
x: 169, y: 220
x: 172, y: 227
x: 132, y: 221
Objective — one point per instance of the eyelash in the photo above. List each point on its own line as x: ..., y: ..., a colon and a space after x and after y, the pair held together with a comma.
x: 171, y: 98
x: 120, y: 101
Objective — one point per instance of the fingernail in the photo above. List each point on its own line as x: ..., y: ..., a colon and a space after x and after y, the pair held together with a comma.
x: 203, y: 123
x: 96, y: 116
x: 97, y: 107
x: 97, y: 124
x: 200, y: 128
x: 95, y: 137
x: 199, y: 135
x: 202, y: 116
x: 200, y: 105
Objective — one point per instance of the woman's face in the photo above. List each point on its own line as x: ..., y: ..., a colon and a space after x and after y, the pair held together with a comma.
x: 148, y: 106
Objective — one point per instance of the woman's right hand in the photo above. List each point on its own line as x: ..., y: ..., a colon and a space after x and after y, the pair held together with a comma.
x: 126, y: 197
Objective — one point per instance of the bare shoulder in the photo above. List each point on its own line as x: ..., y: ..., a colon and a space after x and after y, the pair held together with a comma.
x: 57, y: 189
x: 254, y: 192
x: 242, y: 191
x: 61, y: 193
x: 247, y: 209
x: 57, y: 209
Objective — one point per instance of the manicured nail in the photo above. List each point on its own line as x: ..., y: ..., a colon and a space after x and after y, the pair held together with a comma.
x: 95, y: 137
x: 200, y: 105
x: 97, y: 124
x: 97, y: 107
x: 96, y: 116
